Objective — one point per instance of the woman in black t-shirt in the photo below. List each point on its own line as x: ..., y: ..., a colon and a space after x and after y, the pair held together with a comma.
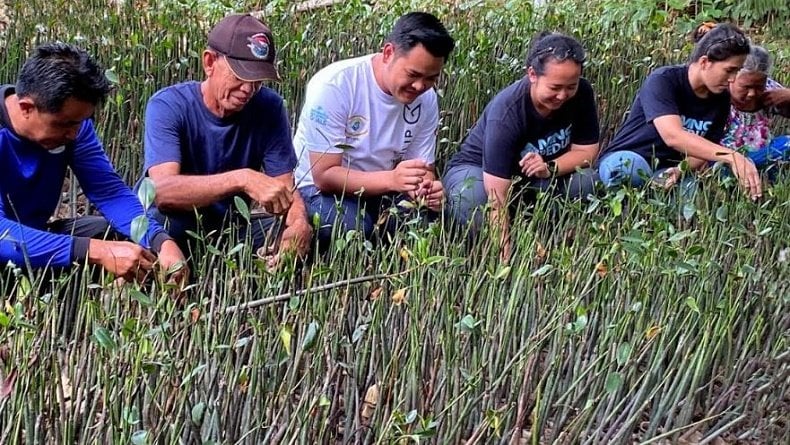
x: 680, y: 111
x: 542, y: 128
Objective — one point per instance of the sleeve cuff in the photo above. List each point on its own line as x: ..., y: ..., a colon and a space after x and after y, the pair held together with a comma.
x: 79, y: 248
x: 159, y: 238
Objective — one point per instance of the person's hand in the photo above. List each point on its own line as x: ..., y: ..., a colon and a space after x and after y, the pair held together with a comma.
x: 777, y: 98
x: 669, y: 177
x: 124, y: 259
x: 273, y: 195
x: 748, y: 176
x: 532, y: 165
x: 172, y: 260
x: 296, y: 238
x: 431, y: 193
x: 408, y: 175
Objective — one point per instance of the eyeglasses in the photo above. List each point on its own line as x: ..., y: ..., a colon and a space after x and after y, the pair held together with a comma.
x: 737, y: 38
x: 560, y: 53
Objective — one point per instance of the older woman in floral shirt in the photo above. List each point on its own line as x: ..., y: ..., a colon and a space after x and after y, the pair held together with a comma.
x: 756, y: 98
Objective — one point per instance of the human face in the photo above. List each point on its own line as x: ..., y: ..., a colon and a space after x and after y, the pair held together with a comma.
x: 408, y: 74
x: 747, y: 89
x: 226, y: 93
x: 53, y: 130
x: 717, y: 75
x: 558, y: 84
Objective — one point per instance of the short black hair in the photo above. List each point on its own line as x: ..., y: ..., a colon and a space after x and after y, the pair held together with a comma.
x: 421, y: 28
x: 57, y: 71
x: 720, y: 43
x: 546, y: 46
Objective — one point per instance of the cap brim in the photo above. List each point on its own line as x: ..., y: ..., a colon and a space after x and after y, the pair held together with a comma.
x: 253, y: 70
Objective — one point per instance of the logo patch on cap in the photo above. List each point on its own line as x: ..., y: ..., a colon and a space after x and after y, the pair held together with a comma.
x: 259, y: 45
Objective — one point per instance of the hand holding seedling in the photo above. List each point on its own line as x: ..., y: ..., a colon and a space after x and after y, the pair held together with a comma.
x: 124, y: 259
x: 408, y: 175
x: 430, y: 192
x: 173, y: 263
x: 532, y: 165
x: 273, y: 195
x: 747, y: 174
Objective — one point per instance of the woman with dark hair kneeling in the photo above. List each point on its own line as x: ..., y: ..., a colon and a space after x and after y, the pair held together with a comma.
x: 680, y: 111
x: 542, y: 128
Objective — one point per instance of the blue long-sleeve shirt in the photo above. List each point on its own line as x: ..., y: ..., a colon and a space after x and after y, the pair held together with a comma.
x: 31, y: 179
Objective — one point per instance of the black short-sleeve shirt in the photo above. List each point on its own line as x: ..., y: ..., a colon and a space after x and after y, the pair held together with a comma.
x: 667, y: 91
x: 510, y: 127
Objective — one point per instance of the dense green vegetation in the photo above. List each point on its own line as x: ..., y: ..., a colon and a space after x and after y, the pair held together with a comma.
x: 629, y: 318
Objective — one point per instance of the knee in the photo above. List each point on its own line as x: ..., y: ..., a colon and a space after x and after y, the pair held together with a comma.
x: 624, y: 168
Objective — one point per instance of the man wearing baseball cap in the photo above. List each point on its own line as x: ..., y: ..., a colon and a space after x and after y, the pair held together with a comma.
x: 208, y: 142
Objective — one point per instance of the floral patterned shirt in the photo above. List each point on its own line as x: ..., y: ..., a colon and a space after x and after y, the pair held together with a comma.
x: 750, y: 131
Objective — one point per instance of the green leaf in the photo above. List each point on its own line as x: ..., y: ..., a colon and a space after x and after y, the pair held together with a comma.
x: 502, y: 273
x: 146, y: 193
x: 141, y: 298
x: 198, y: 369
x: 236, y: 249
x: 324, y: 401
x: 197, y: 413
x: 104, y: 339
x: 623, y: 353
x: 722, y: 213
x: 468, y: 323
x: 285, y: 338
x: 546, y: 268
x: 689, y: 209
x: 131, y: 415
x: 692, y: 303
x: 139, y: 228
x: 613, y: 382
x: 406, y: 204
x: 112, y: 76
x: 140, y: 437
x: 243, y: 341
x: 242, y: 208
x: 310, y: 336
x: 359, y: 332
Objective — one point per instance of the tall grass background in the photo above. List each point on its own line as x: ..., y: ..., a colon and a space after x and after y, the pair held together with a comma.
x: 626, y: 319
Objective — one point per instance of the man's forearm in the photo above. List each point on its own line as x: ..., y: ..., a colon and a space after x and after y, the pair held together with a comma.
x: 345, y: 180
x: 298, y: 211
x: 185, y: 192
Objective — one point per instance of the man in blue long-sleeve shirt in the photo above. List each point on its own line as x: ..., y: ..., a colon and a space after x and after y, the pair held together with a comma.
x: 45, y: 126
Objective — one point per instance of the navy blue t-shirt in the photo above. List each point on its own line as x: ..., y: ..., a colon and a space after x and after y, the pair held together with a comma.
x: 667, y: 91
x: 180, y: 128
x: 510, y: 127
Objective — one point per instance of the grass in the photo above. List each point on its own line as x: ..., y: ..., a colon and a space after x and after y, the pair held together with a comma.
x: 626, y: 319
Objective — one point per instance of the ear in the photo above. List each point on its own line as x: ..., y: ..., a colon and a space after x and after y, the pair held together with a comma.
x: 388, y: 52
x: 26, y: 106
x: 704, y: 62
x: 532, y: 75
x: 209, y: 61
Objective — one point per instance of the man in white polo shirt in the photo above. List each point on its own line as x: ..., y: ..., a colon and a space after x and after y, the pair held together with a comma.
x: 366, y: 136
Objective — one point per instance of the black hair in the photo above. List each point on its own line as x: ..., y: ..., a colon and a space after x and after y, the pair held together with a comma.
x: 421, y: 28
x: 720, y: 43
x: 546, y: 46
x: 57, y: 71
